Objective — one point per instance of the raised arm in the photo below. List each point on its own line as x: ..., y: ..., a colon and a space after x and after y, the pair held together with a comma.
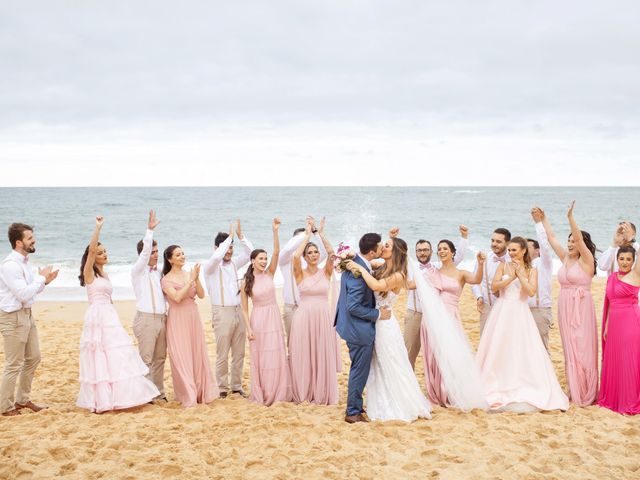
x: 541, y: 235
x: 551, y: 236
x: 147, y: 246
x: 93, y: 249
x: 586, y: 257
x: 247, y: 247
x: 383, y: 285
x: 474, y: 278
x: 328, y: 249
x: 462, y: 246
x: 273, y: 265
x: 215, y: 259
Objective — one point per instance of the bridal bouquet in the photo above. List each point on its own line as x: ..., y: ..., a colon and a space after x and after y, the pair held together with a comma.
x: 342, y: 256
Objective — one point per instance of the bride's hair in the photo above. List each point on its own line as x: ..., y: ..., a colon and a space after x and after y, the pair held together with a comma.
x: 398, y: 262
x: 522, y: 243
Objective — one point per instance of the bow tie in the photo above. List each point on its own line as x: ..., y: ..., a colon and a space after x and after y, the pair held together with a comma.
x: 424, y: 266
x: 153, y: 269
x: 497, y: 258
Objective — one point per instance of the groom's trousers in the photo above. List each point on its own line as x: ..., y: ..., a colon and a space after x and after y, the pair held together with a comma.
x: 358, y: 374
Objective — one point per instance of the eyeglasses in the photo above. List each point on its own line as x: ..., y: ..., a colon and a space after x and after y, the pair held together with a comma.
x: 422, y: 250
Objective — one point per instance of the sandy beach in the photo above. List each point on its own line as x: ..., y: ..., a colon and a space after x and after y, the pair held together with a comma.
x: 233, y: 438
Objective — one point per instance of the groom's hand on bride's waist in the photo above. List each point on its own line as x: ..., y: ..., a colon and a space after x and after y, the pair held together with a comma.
x: 385, y: 313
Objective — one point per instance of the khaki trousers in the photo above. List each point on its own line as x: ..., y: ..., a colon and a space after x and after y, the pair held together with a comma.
x: 150, y: 331
x: 289, y: 310
x: 230, y: 332
x: 21, y: 357
x: 543, y: 318
x: 412, y: 322
x: 483, y: 317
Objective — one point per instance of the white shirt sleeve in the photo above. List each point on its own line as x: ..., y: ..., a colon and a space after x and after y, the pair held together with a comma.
x: 461, y: 249
x: 14, y: 279
x: 546, y: 255
x: 286, y: 252
x: 145, y: 254
x: 218, y: 254
x: 245, y: 255
x: 605, y: 262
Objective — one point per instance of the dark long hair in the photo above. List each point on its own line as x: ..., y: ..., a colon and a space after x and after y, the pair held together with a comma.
x: 452, y: 247
x: 249, y: 277
x: 627, y: 248
x: 592, y: 248
x: 168, y: 253
x: 398, y: 262
x: 522, y: 243
x: 83, y: 262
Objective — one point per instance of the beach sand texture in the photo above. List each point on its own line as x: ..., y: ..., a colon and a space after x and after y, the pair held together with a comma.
x: 233, y: 438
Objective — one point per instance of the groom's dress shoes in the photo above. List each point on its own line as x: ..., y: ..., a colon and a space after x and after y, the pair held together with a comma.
x: 30, y: 405
x: 364, y: 417
x: 355, y: 418
x: 11, y: 413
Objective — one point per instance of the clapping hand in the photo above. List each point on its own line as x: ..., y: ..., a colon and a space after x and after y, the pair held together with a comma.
x: 195, y: 273
x: 239, y: 229
x: 321, y: 227
x: 48, y: 273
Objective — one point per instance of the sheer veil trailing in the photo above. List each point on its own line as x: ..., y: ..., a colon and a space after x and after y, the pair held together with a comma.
x: 451, y: 348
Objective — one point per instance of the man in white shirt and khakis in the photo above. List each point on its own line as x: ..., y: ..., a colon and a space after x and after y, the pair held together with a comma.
x: 542, y: 260
x: 221, y: 278
x: 18, y: 290
x: 150, y: 322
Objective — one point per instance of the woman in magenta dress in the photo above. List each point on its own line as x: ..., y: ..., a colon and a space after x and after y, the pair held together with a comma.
x: 576, y: 312
x: 112, y: 374
x: 270, y: 380
x: 620, y: 376
x: 312, y: 342
x: 193, y: 380
x: 516, y: 369
x: 449, y: 281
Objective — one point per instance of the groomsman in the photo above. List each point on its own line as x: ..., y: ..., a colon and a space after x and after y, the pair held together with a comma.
x: 221, y: 278
x: 290, y: 293
x: 625, y: 234
x: 149, y: 324
x: 541, y: 259
x: 413, y: 317
x: 482, y: 292
x: 18, y: 290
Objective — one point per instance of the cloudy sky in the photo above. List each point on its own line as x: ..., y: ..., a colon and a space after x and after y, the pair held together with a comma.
x: 302, y: 92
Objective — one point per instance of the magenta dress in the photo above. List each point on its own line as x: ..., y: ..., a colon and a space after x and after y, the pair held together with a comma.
x: 450, y: 291
x: 193, y: 380
x: 514, y: 364
x: 312, y: 344
x: 620, y: 380
x: 112, y: 374
x: 270, y: 380
x: 578, y: 331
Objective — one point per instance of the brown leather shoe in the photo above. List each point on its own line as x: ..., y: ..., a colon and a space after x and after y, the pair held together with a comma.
x: 11, y: 413
x: 355, y: 418
x: 364, y: 416
x: 30, y: 405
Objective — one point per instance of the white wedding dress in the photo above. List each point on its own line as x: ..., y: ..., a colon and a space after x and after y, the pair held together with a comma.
x: 393, y: 392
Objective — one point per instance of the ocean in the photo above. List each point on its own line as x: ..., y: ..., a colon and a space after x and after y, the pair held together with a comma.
x: 64, y: 218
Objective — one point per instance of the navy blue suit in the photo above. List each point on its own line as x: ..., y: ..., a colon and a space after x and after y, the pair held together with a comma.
x: 355, y: 322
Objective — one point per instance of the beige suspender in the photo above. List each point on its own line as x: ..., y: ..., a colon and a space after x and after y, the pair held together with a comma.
x: 235, y: 270
x: 153, y: 297
x: 486, y: 279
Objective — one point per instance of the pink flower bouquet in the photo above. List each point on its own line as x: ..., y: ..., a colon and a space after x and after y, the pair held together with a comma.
x: 342, y: 256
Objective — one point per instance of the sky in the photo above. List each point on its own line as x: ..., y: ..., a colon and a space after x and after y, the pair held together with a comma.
x: 334, y: 92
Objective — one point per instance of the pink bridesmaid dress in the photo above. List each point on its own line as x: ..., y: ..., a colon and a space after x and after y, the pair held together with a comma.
x: 514, y: 364
x: 578, y: 331
x: 450, y: 291
x: 312, y: 344
x: 270, y: 380
x: 620, y: 380
x: 193, y: 380
x: 112, y: 374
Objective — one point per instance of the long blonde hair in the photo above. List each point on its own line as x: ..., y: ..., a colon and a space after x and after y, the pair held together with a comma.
x: 398, y: 262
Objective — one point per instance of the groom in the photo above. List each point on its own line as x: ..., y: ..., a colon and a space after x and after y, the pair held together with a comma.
x: 355, y: 321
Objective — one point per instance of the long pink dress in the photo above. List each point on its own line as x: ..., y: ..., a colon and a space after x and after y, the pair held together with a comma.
x: 112, y: 374
x: 312, y: 344
x: 193, y: 380
x: 579, y: 334
x: 620, y: 380
x: 270, y: 381
x: 515, y: 367
x: 450, y: 291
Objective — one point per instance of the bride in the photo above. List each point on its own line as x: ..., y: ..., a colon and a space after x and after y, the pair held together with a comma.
x: 393, y: 392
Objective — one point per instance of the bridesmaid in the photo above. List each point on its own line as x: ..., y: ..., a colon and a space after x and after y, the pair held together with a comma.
x: 112, y: 374
x: 269, y: 374
x: 576, y: 312
x: 190, y: 368
x: 620, y: 380
x: 449, y: 281
x: 312, y: 341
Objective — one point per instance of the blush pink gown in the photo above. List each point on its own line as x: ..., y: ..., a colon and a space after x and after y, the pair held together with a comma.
x: 450, y: 291
x: 270, y: 381
x: 193, y: 380
x: 312, y: 344
x: 578, y: 331
x: 620, y: 380
x: 515, y: 367
x: 112, y: 374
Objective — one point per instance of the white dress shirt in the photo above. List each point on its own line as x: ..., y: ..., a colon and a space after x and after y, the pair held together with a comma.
x: 544, y: 265
x: 608, y: 261
x: 483, y: 289
x: 221, y: 277
x: 18, y: 286
x: 413, y: 302
x: 146, y: 281
x: 290, y: 293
